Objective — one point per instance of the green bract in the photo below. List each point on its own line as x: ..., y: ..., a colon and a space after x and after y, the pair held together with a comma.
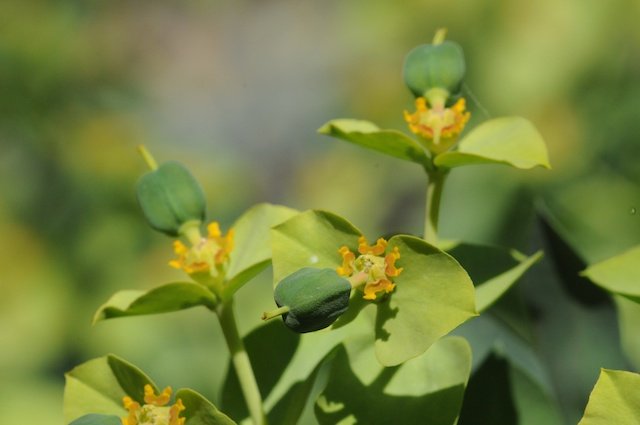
x: 315, y: 298
x: 170, y: 197
x: 433, y: 296
x: 434, y: 66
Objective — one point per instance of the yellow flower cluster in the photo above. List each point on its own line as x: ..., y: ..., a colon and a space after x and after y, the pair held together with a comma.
x: 155, y: 410
x: 439, y: 126
x: 370, y: 267
x: 207, y: 254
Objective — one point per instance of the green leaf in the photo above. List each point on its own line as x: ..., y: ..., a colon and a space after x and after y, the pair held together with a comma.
x: 615, y: 399
x: 433, y: 296
x: 97, y: 420
x: 428, y: 389
x: 163, y: 299
x: 493, y: 270
x: 310, y: 239
x: 252, y: 249
x: 199, y: 410
x: 619, y: 275
x: 510, y: 140
x: 368, y: 135
x: 99, y: 385
x: 628, y: 322
x: 291, y: 405
x: 269, y: 362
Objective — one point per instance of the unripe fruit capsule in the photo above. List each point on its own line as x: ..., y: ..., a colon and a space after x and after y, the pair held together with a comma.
x: 170, y: 197
x: 435, y: 66
x: 313, y: 298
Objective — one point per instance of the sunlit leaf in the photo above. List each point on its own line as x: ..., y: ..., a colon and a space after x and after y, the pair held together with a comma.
x: 428, y: 389
x: 252, y: 249
x: 510, y: 140
x: 199, y: 410
x: 310, y: 239
x: 163, y: 299
x: 493, y: 270
x: 368, y: 135
x: 433, y: 296
x: 615, y: 399
x: 98, y: 386
x: 619, y: 275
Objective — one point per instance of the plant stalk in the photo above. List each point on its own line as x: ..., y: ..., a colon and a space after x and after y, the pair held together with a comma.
x: 432, y: 208
x: 241, y: 363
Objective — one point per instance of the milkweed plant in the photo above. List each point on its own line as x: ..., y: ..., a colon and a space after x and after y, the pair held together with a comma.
x: 378, y: 311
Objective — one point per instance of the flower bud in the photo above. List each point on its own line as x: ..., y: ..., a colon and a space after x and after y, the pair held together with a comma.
x: 171, y: 198
x: 312, y: 299
x: 435, y: 68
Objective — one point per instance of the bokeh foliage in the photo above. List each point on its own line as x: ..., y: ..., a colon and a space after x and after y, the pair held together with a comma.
x: 237, y: 90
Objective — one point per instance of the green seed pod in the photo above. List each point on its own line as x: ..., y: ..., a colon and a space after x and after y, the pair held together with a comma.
x: 435, y: 66
x: 170, y: 197
x: 313, y: 298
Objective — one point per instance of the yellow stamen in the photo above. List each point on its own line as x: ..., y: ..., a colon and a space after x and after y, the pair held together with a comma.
x: 377, y: 249
x: 391, y: 258
x: 347, y: 261
x: 157, y: 400
x: 371, y: 289
x: 174, y: 413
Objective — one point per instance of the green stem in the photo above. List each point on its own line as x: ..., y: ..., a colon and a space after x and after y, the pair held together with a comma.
x: 434, y: 195
x: 241, y: 363
x: 148, y: 158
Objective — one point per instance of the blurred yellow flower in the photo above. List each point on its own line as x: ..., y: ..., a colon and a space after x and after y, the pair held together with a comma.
x: 155, y: 410
x: 207, y: 254
x: 438, y: 126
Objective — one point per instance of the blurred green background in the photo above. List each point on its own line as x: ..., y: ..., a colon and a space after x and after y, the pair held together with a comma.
x: 235, y: 90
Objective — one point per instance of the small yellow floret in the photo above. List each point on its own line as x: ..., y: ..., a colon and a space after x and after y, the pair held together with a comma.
x: 439, y: 126
x: 154, y: 411
x: 347, y: 261
x: 370, y: 269
x: 377, y: 249
x: 205, y: 255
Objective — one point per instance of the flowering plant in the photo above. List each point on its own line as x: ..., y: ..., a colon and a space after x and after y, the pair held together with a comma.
x: 384, y: 310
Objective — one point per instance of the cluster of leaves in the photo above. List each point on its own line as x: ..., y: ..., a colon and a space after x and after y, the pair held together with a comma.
x: 393, y: 360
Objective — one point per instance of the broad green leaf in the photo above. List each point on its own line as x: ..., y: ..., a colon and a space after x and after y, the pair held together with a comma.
x: 628, y: 322
x: 500, y: 393
x: 366, y: 134
x: 615, y: 399
x: 163, y: 299
x: 534, y: 404
x: 619, y: 274
x: 428, y: 389
x: 270, y: 349
x: 199, y: 410
x: 510, y: 140
x: 291, y: 405
x: 488, y: 399
x: 493, y: 270
x: 433, y: 296
x: 98, y: 386
x: 97, y: 420
x: 310, y: 239
x: 252, y: 248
